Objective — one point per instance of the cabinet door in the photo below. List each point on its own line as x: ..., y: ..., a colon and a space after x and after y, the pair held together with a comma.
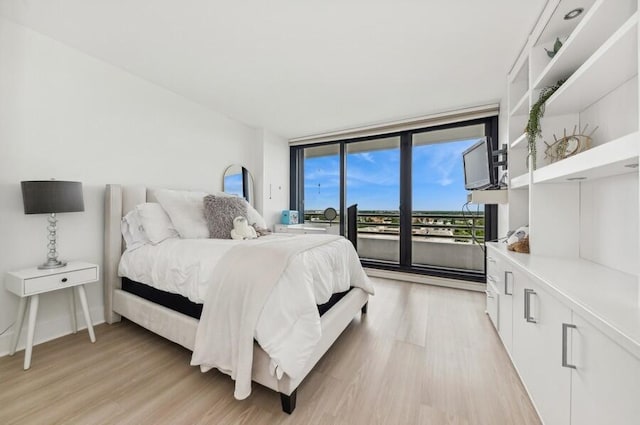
x: 492, y: 304
x: 537, y: 349
x: 505, y: 289
x: 492, y: 289
x: 605, y: 386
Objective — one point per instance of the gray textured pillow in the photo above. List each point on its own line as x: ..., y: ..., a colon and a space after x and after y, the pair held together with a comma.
x: 219, y: 213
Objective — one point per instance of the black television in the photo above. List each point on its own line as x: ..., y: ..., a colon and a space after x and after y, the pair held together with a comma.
x: 478, y: 165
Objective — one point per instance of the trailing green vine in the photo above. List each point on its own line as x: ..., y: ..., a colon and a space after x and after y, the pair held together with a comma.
x: 536, y: 113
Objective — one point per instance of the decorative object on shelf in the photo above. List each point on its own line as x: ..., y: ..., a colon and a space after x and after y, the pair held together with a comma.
x: 521, y: 246
x: 570, y: 145
x: 556, y: 46
x: 518, y: 241
x: 536, y: 113
x: 52, y: 197
x: 330, y: 214
x: 289, y: 217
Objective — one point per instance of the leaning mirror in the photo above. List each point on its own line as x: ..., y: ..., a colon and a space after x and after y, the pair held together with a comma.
x: 238, y: 181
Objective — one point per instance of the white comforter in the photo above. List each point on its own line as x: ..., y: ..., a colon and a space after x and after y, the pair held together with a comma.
x: 288, y: 326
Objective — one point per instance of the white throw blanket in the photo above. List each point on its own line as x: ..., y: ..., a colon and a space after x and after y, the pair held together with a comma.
x: 244, y: 279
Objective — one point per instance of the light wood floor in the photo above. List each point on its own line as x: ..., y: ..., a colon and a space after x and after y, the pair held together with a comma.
x: 423, y: 355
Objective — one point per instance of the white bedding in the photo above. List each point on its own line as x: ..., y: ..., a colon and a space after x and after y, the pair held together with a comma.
x: 289, y: 319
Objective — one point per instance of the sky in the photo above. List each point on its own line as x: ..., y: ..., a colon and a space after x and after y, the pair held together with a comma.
x: 233, y: 184
x: 373, y: 179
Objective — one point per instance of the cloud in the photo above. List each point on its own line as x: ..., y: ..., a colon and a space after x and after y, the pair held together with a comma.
x: 366, y: 156
x: 379, y: 176
x: 445, y: 181
x: 373, y: 178
x: 442, y: 161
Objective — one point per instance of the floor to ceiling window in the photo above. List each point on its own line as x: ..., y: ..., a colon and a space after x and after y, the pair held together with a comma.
x: 373, y: 183
x: 446, y: 233
x: 409, y: 187
x: 321, y: 188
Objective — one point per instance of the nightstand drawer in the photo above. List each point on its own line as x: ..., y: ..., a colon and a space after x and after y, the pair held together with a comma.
x: 59, y: 280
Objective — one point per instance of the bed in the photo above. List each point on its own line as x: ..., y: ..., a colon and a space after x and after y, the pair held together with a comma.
x: 176, y: 317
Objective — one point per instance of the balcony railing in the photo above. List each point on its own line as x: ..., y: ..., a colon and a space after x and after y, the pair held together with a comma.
x: 440, y: 239
x: 450, y: 226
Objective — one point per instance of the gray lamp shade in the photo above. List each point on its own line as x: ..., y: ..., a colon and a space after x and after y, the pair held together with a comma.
x: 52, y: 196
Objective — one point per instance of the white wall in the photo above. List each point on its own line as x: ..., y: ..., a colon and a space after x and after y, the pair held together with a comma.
x: 275, y: 178
x: 68, y: 116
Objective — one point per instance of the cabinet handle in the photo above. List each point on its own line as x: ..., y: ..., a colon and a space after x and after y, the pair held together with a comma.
x: 507, y: 273
x: 64, y: 280
x: 527, y: 305
x: 565, y: 327
x: 490, y: 259
x: 489, y: 294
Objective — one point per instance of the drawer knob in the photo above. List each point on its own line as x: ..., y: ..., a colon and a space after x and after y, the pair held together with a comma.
x: 64, y: 280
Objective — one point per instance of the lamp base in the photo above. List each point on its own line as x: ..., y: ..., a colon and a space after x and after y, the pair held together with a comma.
x: 52, y: 265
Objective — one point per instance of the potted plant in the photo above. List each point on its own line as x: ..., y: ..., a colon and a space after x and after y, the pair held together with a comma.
x: 536, y: 113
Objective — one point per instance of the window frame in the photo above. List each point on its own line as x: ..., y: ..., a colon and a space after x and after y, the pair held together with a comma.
x: 296, y: 199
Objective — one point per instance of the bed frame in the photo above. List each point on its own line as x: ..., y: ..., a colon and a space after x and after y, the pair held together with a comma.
x: 181, y: 328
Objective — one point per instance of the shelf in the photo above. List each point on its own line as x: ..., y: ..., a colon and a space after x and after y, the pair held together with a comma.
x: 520, y: 182
x: 600, y: 21
x: 606, y: 160
x: 522, y: 106
x: 500, y: 196
x: 604, y: 296
x: 520, y: 142
x: 556, y: 26
x: 615, y: 62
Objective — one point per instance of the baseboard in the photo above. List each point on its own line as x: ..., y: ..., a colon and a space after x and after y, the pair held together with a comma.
x: 427, y: 280
x: 50, y: 329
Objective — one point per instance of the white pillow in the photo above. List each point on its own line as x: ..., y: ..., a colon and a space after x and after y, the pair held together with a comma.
x: 155, y: 222
x: 254, y: 218
x: 186, y: 210
x: 132, y: 231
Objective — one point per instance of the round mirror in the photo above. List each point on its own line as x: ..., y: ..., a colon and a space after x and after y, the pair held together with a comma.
x: 330, y: 214
x: 238, y: 181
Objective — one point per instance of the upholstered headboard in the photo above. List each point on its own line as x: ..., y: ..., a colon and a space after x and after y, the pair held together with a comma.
x: 119, y: 200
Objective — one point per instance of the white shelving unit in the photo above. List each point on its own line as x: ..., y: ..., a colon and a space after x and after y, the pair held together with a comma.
x: 599, y: 61
x: 520, y: 142
x: 522, y: 106
x: 519, y: 101
x: 520, y: 182
x: 611, y: 159
x: 583, y: 211
x: 599, y: 22
x: 617, y: 60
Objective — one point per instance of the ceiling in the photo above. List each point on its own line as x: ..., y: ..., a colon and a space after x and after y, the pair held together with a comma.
x: 299, y: 67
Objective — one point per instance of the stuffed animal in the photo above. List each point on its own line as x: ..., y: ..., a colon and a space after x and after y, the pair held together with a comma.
x: 261, y: 231
x: 242, y: 230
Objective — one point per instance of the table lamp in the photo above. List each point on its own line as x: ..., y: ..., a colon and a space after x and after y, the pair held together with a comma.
x: 52, y: 197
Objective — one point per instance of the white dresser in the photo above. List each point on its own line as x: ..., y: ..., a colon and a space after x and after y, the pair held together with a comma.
x: 571, y: 329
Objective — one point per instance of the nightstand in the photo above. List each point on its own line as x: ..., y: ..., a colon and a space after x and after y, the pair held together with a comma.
x: 28, y: 284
